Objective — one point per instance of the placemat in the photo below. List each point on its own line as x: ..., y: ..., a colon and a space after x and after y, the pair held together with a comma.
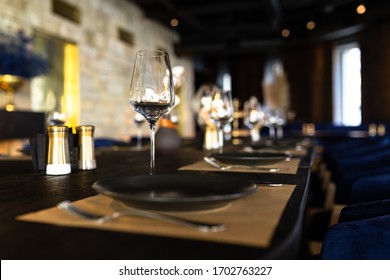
x: 289, y: 166
x: 16, y: 158
x: 250, y: 221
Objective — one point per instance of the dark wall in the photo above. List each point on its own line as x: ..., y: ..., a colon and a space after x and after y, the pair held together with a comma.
x: 375, y: 52
x: 309, y: 72
x: 247, y: 73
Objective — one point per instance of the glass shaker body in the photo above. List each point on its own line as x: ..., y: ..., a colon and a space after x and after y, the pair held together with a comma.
x: 86, y: 147
x: 58, y: 159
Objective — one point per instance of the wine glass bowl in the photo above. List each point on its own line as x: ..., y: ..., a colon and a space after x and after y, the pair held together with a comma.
x: 280, y: 121
x: 201, y: 106
x: 270, y: 120
x: 253, y: 117
x: 221, y: 112
x: 152, y: 91
x: 139, y: 120
x: 56, y: 118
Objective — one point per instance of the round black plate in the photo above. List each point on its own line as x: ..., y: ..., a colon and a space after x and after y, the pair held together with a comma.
x: 175, y: 192
x: 256, y: 158
x: 276, y: 144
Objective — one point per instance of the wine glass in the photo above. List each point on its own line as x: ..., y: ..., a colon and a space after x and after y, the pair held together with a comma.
x: 221, y: 112
x: 270, y: 121
x: 56, y: 109
x: 151, y: 91
x: 281, y: 120
x: 253, y: 117
x: 56, y: 118
x: 201, y: 106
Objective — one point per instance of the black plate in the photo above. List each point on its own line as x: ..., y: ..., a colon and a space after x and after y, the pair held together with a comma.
x: 175, y: 192
x: 276, y: 144
x: 257, y: 158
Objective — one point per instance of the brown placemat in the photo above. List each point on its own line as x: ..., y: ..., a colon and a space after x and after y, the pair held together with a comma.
x: 250, y: 221
x: 289, y: 166
x: 16, y: 158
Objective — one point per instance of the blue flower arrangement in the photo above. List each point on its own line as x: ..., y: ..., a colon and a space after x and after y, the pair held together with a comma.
x: 17, y: 59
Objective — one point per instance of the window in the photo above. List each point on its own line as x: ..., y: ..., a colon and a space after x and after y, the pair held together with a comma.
x: 347, y: 85
x: 226, y: 82
x: 224, y: 79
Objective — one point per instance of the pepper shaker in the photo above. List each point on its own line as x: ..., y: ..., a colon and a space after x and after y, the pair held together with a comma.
x: 86, y: 147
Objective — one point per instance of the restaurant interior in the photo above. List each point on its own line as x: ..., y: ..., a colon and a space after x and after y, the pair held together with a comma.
x: 272, y: 140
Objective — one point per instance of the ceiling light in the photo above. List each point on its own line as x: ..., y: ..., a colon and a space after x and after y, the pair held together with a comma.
x: 361, y: 9
x: 310, y: 25
x: 174, y: 22
x: 285, y: 33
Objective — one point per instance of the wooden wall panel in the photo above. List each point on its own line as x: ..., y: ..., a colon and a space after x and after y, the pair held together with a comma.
x: 309, y: 73
x: 296, y: 65
x: 321, y: 83
x: 247, y: 76
x: 375, y: 52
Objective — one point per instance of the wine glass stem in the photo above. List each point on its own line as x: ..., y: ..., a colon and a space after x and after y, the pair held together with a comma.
x: 272, y: 130
x: 152, y: 149
x: 139, y: 137
x: 220, y: 139
x: 279, y: 132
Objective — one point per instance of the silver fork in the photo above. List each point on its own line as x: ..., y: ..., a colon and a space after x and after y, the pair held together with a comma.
x: 213, y: 162
x: 81, y: 213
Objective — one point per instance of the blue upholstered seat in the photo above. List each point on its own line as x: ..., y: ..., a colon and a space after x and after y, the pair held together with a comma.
x: 344, y: 185
x: 345, y: 154
x: 367, y: 239
x: 349, y: 169
x: 370, y: 189
x: 363, y: 232
x: 365, y: 210
x: 361, y: 171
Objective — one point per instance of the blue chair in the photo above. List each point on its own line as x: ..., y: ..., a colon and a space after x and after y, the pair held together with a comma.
x: 350, y: 169
x: 344, y: 185
x: 367, y: 239
x: 365, y: 210
x: 346, y: 154
x: 370, y: 189
x: 352, y: 147
x: 362, y: 232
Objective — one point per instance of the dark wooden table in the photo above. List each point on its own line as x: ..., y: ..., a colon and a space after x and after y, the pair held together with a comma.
x: 22, y: 190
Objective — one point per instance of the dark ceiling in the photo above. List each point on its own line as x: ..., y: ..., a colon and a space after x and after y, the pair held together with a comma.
x: 236, y: 26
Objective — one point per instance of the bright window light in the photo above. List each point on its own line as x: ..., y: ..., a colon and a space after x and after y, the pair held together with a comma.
x: 226, y: 82
x: 347, y: 87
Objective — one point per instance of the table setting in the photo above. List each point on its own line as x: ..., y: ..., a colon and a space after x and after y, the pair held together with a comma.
x: 254, y: 218
x: 239, y: 163
x: 257, y: 209
x: 241, y: 211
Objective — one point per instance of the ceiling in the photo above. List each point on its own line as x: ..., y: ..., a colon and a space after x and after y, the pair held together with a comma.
x: 236, y: 26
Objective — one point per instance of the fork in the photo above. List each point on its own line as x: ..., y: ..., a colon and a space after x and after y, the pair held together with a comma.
x: 81, y: 213
x: 213, y: 162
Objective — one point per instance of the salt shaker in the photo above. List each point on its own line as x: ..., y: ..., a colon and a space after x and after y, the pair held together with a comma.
x: 86, y: 147
x: 58, y: 159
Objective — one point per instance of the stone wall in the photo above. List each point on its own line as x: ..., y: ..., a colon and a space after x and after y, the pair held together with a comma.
x: 105, y: 61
